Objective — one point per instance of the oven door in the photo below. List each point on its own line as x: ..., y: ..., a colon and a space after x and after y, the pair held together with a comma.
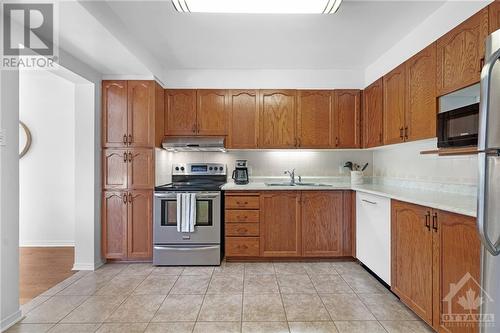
x: 208, y: 219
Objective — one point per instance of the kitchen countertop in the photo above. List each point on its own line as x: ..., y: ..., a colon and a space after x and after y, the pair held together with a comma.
x: 448, y: 201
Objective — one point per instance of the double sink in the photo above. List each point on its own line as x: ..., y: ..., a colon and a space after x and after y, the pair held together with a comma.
x: 296, y: 184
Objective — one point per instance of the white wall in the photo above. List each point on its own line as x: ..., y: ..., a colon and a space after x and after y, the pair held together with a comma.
x: 46, y: 172
x: 269, y: 163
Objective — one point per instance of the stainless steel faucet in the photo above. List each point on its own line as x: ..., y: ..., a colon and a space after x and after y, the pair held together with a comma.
x: 292, y: 175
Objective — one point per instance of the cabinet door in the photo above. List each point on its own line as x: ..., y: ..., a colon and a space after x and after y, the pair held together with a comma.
x: 460, y: 53
x: 141, y: 168
x: 114, y: 169
x: 280, y: 232
x: 494, y: 19
x: 346, y: 113
x: 140, y: 222
x: 277, y: 119
x: 180, y: 112
x: 457, y: 265
x: 322, y: 218
x: 412, y: 259
x: 114, y: 111
x: 141, y: 113
x: 421, y: 107
x: 394, y: 105
x: 114, y: 225
x: 373, y: 109
x: 314, y: 119
x: 243, y: 108
x: 211, y: 112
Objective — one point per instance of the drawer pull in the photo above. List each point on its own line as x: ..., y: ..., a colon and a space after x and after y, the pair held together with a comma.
x: 243, y: 247
x: 242, y: 203
x: 241, y: 230
x: 244, y: 217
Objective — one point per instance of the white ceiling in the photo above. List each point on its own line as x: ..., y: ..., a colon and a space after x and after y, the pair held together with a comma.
x: 353, y: 38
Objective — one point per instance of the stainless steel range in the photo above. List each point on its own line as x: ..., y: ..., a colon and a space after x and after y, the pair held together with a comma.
x: 203, y: 246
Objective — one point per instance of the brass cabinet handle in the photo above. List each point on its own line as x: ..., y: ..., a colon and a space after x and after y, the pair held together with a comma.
x: 406, y: 132
x: 194, y: 128
x: 124, y: 139
x: 434, y: 222
x: 242, y: 230
x: 427, y: 220
x: 130, y: 139
x: 244, y: 217
x: 125, y: 157
x: 130, y: 157
x: 336, y: 141
x: 401, y: 136
x: 124, y: 198
x: 129, y: 197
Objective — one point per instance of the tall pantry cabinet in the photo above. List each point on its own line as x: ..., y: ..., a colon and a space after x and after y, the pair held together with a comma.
x: 132, y: 118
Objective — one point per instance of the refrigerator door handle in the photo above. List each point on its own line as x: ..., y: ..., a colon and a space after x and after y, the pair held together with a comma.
x: 485, y: 98
x: 481, y: 206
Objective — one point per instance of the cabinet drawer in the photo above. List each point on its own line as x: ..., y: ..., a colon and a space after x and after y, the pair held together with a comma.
x: 242, y: 246
x: 242, y: 229
x: 242, y: 202
x: 241, y: 216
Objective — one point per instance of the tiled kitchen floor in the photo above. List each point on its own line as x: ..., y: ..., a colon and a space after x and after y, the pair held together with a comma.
x: 236, y: 297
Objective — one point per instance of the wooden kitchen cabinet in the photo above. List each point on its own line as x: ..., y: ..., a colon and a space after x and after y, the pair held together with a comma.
x: 322, y: 223
x: 114, y: 225
x: 139, y: 226
x: 128, y: 168
x: 243, y: 110
x: 180, y: 112
x: 494, y: 16
x: 460, y: 54
x: 114, y: 114
x: 394, y: 105
x: 277, y: 119
x: 114, y: 168
x: 211, y: 112
x: 280, y: 227
x: 346, y: 118
x: 421, y: 106
x: 373, y: 110
x: 315, y: 119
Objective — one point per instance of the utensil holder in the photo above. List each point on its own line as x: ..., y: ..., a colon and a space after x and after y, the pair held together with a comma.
x: 356, y: 177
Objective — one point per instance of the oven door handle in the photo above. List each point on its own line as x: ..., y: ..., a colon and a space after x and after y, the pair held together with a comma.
x: 198, y: 196
x: 191, y: 248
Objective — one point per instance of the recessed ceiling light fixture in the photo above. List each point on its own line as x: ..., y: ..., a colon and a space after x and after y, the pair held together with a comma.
x: 258, y: 6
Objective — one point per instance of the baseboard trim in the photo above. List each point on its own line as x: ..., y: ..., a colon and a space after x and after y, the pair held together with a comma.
x: 86, y: 266
x: 48, y: 244
x: 11, y: 320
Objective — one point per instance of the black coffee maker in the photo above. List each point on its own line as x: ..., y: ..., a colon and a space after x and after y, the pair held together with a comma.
x: 240, y: 173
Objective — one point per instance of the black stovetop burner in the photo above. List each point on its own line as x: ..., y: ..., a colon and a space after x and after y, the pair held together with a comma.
x: 190, y: 186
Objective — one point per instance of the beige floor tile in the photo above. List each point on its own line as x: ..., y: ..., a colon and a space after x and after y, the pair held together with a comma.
x: 122, y: 328
x: 330, y: 284
x: 191, y: 284
x: 359, y: 327
x: 260, y: 283
x: 198, y: 270
x: 27, y: 307
x: 156, y: 284
x: 264, y: 327
x: 289, y: 268
x: 221, y: 307
x: 138, y: 269
x: 225, y: 284
x: 387, y: 307
x: 217, y: 327
x: 95, y: 309
x: 346, y: 267
x: 346, y: 307
x: 314, y: 268
x: 259, y: 268
x: 263, y: 307
x: 304, y: 307
x: 364, y: 283
x: 74, y: 328
x: 295, y: 284
x: 62, y: 285
x: 53, y: 310
x: 230, y: 268
x: 110, y: 269
x: 87, y: 285
x: 121, y: 285
x: 179, y: 308
x: 137, y: 308
x: 170, y: 327
x: 168, y: 270
x: 313, y: 327
x: 29, y: 328
x: 414, y: 326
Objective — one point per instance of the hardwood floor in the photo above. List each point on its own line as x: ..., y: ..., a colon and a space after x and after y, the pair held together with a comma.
x: 41, y: 268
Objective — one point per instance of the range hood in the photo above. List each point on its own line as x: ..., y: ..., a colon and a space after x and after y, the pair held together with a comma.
x: 194, y: 143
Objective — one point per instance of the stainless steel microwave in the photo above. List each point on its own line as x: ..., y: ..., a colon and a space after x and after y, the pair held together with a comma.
x: 458, y: 118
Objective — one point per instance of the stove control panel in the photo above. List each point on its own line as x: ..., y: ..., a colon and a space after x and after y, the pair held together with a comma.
x: 198, y: 169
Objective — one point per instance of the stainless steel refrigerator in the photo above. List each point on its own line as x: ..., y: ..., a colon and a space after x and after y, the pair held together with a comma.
x: 488, y: 213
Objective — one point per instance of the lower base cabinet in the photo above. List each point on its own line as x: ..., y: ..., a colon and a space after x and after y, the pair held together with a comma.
x: 436, y: 265
x: 127, y: 225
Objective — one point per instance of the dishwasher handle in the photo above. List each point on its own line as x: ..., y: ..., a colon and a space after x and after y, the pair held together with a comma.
x: 368, y: 201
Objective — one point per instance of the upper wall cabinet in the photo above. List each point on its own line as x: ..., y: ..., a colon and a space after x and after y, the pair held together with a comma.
x: 211, y: 114
x: 314, y: 119
x: 128, y: 113
x: 394, y: 105
x: 180, y: 112
x: 460, y: 53
x: 277, y: 119
x: 346, y: 118
x: 421, y: 108
x: 494, y: 18
x: 373, y: 108
x: 243, y: 112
